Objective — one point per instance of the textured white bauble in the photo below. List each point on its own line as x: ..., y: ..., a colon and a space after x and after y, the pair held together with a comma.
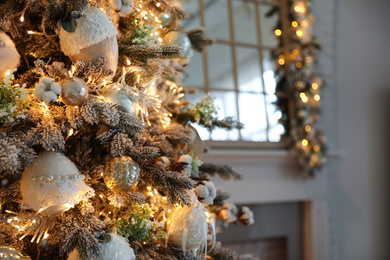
x: 52, y: 184
x: 94, y: 38
x: 117, y: 249
x: 9, y: 56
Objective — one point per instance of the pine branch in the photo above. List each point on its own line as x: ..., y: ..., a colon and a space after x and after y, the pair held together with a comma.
x: 176, y: 134
x: 224, y: 171
x: 48, y: 135
x: 220, y: 253
x: 133, y: 197
x: 141, y: 52
x: 141, y: 154
x: 172, y: 184
x: 227, y: 123
x: 120, y: 144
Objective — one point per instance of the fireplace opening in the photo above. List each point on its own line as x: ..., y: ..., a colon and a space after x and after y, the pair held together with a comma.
x: 276, y: 235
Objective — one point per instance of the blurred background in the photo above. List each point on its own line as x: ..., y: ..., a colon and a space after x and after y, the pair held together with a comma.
x: 343, y: 211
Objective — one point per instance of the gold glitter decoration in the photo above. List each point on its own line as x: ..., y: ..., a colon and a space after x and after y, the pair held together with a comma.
x: 121, y: 173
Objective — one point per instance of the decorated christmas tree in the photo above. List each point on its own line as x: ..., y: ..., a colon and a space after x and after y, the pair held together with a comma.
x: 98, y: 158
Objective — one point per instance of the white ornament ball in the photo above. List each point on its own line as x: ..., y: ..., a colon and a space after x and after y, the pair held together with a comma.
x: 52, y: 184
x: 93, y: 38
x: 117, y: 249
x: 74, y: 92
x: 9, y: 56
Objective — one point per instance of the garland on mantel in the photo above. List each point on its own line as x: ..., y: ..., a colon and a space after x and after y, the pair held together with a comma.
x: 299, y: 83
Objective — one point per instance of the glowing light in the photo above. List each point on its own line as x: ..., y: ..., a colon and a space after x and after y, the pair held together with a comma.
x: 22, y: 18
x: 296, y: 51
x: 158, y: 4
x: 140, y: 6
x: 30, y: 32
x: 307, y: 128
x: 8, y: 73
x: 164, y: 198
x: 299, y: 65
x: 294, y: 24
x: 149, y: 188
x: 101, y: 196
x: 156, y: 19
x: 15, y: 218
x: 128, y: 62
x: 46, y: 235
x: 305, y: 142
x: 299, y: 33
x: 317, y: 97
x: 278, y: 32
x: 71, y: 132
x: 317, y: 148
x: 138, y: 78
x: 302, y: 94
x: 282, y: 62
x: 9, y: 220
x: 34, y: 221
x: 169, y: 211
x: 314, y: 86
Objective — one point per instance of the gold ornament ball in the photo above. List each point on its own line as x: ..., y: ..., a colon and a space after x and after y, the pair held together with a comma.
x: 10, y: 253
x: 121, y: 173
x: 74, y: 92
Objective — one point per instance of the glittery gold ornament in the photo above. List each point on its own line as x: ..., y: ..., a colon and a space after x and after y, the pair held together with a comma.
x: 121, y: 173
x: 10, y: 253
x: 74, y: 92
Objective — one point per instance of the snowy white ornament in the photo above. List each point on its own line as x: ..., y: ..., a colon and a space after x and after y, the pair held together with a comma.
x: 10, y: 253
x: 188, y: 227
x: 93, y: 38
x: 52, y: 184
x: 206, y: 192
x: 117, y: 249
x: 47, y: 90
x: 9, y: 56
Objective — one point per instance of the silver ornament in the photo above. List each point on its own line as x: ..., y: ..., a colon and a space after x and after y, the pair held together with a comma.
x: 74, y: 92
x: 121, y: 173
x: 10, y: 253
x: 179, y: 39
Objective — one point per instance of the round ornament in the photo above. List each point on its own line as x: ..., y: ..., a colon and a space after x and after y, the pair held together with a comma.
x: 119, y: 98
x: 165, y: 18
x: 74, y: 92
x: 93, y: 37
x: 121, y: 173
x: 179, y: 39
x: 52, y: 184
x: 116, y: 249
x: 187, y: 227
x: 9, y: 56
x: 9, y: 253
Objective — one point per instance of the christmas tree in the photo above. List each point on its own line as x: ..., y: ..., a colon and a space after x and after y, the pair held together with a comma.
x: 98, y: 159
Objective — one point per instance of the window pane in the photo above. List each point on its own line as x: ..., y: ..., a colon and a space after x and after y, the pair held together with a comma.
x: 248, y: 67
x: 220, y: 67
x: 244, y: 22
x: 252, y: 115
x: 269, y: 76
x: 216, y: 18
x: 192, y: 6
x: 275, y: 128
x: 193, y: 75
x: 226, y: 102
x: 267, y: 26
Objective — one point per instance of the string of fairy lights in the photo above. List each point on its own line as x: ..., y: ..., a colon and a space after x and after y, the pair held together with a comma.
x: 299, y: 84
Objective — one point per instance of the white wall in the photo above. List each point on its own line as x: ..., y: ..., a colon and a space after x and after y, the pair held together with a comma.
x: 358, y: 97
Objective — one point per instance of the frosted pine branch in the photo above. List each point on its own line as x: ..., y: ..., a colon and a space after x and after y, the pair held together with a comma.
x: 224, y: 171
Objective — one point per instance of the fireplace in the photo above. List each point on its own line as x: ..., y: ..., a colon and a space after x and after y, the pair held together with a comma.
x: 276, y: 235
